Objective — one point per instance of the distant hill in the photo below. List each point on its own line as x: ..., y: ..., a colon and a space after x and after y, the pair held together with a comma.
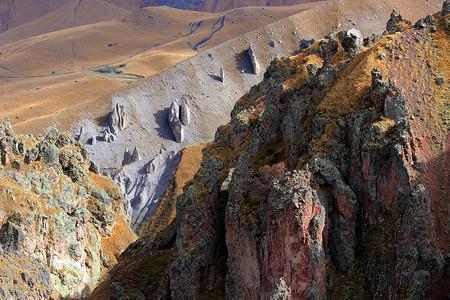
x: 219, y: 5
x: 14, y: 13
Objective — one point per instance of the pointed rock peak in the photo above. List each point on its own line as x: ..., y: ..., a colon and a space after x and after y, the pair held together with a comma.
x: 135, y: 156
x: 162, y: 148
x: 222, y: 75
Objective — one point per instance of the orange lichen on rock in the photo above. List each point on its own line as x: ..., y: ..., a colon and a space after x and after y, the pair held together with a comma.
x: 62, y: 224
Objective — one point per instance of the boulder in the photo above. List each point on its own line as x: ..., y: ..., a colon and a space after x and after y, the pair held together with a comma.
x: 174, y: 112
x: 179, y: 115
x: 135, y: 156
x: 178, y: 131
x: 162, y: 148
x: 352, y: 42
x: 155, y: 163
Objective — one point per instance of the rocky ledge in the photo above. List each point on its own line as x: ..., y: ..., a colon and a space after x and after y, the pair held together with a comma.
x: 62, y: 224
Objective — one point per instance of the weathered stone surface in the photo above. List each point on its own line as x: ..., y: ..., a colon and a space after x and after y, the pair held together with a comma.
x: 130, y: 157
x: 185, y: 112
x: 222, y: 75
x: 254, y: 59
x: 394, y: 22
x: 108, y: 136
x: 327, y: 47
x: 144, y: 182
x: 118, y: 119
x: 11, y: 236
x: 56, y: 214
x: 313, y: 190
x: 179, y: 116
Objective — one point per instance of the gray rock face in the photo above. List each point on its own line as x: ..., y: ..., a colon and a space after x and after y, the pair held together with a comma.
x: 178, y: 131
x: 255, y: 63
x: 118, y: 119
x: 179, y: 116
x: 174, y: 112
x: 222, y: 75
x: 130, y: 157
x: 11, y: 237
x: 83, y: 136
x: 185, y: 112
x: 108, y: 136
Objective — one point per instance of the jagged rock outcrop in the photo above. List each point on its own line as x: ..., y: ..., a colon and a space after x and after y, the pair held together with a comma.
x: 130, y: 157
x: 179, y: 117
x: 329, y: 181
x: 352, y: 41
x: 118, y: 119
x: 108, y: 136
x: 255, y: 63
x: 396, y: 22
x: 59, y: 218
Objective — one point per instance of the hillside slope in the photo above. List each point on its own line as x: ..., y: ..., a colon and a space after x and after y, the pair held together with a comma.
x: 44, y: 78
x: 147, y: 101
x: 67, y: 16
x: 330, y: 180
x: 14, y: 13
x: 220, y: 5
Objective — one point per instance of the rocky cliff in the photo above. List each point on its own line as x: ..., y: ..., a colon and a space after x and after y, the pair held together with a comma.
x: 62, y: 224
x: 330, y: 181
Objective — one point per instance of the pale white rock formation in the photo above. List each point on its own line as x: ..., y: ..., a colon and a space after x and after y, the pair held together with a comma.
x: 179, y: 116
x: 108, y: 136
x: 222, y: 75
x: 255, y: 63
x: 130, y: 157
x: 174, y: 112
x: 118, y: 119
x: 185, y: 112
x: 178, y: 131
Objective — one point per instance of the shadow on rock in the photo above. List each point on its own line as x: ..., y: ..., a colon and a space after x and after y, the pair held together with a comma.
x: 244, y: 62
x: 163, y: 125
